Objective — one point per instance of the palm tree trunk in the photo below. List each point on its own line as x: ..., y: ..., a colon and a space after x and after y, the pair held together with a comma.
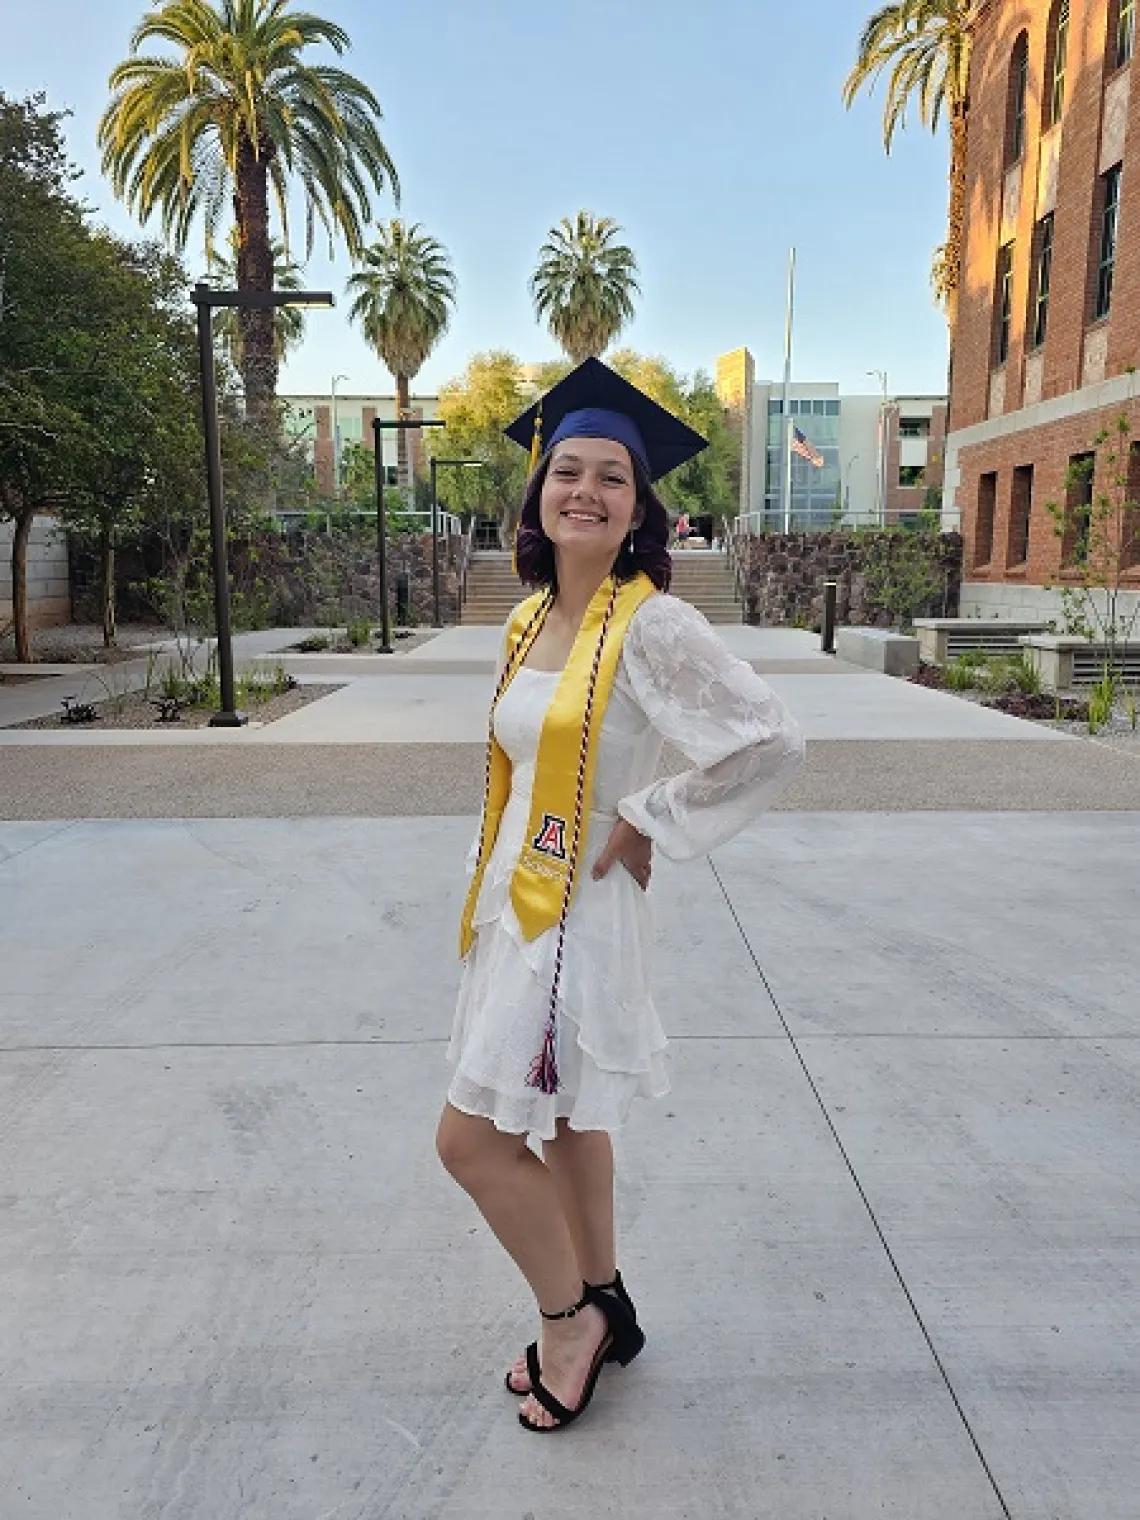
x: 255, y: 272
x: 20, y: 537
x: 403, y: 453
x: 955, y: 221
x: 107, y: 570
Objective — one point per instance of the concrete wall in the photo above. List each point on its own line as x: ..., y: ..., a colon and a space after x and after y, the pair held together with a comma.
x: 1008, y: 600
x: 49, y: 594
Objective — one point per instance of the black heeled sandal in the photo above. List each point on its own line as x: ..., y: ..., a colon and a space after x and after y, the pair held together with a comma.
x: 621, y: 1343
x: 616, y: 1289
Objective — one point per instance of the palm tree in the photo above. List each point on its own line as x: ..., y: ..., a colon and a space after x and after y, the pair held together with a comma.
x: 402, y: 298
x: 288, y: 321
x: 584, y: 285
x: 239, y: 109
x: 926, y: 45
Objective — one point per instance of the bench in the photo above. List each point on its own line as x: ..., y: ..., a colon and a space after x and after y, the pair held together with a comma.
x: 1064, y: 661
x: 884, y: 649
x: 943, y: 639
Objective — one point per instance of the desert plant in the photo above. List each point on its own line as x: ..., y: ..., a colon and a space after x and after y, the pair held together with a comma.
x: 359, y: 632
x: 1102, y: 700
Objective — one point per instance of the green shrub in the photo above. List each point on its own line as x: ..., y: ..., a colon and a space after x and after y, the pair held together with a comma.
x: 314, y: 644
x: 359, y: 633
x: 960, y: 674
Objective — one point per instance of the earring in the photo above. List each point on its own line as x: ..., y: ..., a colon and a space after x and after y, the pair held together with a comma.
x: 630, y: 545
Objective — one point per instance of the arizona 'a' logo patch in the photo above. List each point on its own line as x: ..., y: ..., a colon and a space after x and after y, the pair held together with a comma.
x: 551, y: 837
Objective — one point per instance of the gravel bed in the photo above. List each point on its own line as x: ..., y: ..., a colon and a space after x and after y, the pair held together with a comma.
x: 1117, y: 733
x: 82, y: 644
x: 134, y: 711
x: 400, y: 645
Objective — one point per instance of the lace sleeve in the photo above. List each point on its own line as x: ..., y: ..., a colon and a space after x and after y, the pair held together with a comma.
x: 714, y: 708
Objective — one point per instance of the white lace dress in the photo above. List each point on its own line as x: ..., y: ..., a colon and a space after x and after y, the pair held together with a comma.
x: 676, y: 681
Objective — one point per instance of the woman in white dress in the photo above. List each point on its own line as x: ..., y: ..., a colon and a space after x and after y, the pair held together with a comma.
x: 555, y: 1031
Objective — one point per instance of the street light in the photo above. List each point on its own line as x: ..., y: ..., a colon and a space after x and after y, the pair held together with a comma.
x: 205, y: 299
x: 378, y: 426
x: 881, y: 375
x: 454, y: 464
x: 847, y: 487
x: 336, y: 438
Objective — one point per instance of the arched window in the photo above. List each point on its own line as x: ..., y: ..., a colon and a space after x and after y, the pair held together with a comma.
x: 1018, y: 92
x: 1056, y: 56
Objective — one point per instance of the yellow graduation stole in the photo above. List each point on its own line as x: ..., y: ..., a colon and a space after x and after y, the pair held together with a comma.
x: 542, y: 886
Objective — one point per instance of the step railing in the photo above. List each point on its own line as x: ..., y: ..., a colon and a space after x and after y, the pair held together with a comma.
x: 468, y: 558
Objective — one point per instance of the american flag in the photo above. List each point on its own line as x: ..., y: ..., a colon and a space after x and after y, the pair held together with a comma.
x: 806, y: 450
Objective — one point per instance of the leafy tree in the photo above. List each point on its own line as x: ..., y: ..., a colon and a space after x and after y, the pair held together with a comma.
x: 288, y: 321
x: 926, y: 46
x: 402, y: 299
x: 584, y: 285
x: 236, y: 110
x: 710, y: 483
x: 1100, y: 550
x: 476, y: 408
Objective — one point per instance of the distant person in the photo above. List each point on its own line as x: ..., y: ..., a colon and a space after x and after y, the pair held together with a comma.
x: 682, y: 528
x: 555, y: 1032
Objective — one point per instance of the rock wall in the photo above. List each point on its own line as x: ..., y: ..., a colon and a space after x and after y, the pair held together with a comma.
x: 785, y: 575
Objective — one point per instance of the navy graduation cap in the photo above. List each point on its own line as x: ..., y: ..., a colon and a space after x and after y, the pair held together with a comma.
x: 595, y: 402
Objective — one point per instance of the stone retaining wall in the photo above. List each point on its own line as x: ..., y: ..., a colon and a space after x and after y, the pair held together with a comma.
x: 297, y: 580
x: 786, y: 572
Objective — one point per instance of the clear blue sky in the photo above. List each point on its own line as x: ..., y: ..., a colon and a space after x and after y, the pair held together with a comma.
x: 713, y: 132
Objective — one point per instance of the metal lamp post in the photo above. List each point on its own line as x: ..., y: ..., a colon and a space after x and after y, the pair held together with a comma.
x: 847, y: 486
x: 205, y: 299
x: 881, y: 375
x: 378, y: 426
x: 453, y: 464
x: 336, y: 437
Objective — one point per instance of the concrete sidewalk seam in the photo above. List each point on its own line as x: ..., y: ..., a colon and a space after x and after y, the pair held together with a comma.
x: 866, y: 1201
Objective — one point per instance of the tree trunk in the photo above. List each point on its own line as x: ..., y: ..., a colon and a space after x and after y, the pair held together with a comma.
x: 403, y: 451
x: 255, y: 272
x: 20, y: 537
x: 956, y: 218
x: 107, y: 568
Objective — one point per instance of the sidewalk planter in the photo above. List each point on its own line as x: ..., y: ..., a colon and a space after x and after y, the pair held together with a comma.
x: 894, y: 654
x: 1064, y: 662
x: 943, y: 639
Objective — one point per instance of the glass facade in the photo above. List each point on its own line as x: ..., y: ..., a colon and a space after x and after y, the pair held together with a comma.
x: 816, y: 491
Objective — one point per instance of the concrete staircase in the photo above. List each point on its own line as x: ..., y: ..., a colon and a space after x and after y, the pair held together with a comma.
x: 702, y: 577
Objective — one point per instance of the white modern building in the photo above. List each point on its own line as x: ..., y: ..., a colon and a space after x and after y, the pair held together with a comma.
x: 880, y: 455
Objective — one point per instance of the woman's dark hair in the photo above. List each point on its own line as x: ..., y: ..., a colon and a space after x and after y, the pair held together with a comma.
x: 534, y: 553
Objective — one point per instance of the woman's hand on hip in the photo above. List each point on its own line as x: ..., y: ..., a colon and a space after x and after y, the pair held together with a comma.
x: 633, y: 850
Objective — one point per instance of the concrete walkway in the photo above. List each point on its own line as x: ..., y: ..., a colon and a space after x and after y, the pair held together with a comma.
x: 883, y: 1234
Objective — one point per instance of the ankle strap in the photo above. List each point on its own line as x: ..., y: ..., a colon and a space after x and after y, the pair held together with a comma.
x: 573, y: 1309
x: 611, y: 1287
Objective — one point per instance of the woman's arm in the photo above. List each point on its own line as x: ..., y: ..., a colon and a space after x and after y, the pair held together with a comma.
x: 743, y: 742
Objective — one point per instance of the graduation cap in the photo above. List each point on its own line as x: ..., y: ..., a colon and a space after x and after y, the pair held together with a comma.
x: 595, y: 402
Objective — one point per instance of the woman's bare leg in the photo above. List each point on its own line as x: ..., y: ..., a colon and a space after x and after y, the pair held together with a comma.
x: 581, y: 1163
x: 517, y: 1196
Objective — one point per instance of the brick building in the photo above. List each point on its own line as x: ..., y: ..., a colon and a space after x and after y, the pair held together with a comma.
x: 1049, y: 320
x: 327, y: 425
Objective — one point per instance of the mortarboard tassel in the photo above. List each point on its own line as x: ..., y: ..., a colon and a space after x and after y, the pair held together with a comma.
x: 536, y: 442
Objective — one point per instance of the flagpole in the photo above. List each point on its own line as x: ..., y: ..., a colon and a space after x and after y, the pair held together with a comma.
x: 786, y: 484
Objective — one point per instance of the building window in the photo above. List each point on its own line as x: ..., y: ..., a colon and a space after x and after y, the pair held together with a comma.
x: 1056, y: 56
x: 1125, y: 31
x: 914, y: 427
x: 1020, y: 512
x: 1042, y: 271
x: 1109, y: 217
x: 1003, y: 303
x: 1018, y: 93
x: 1078, y: 509
x: 912, y: 475
x: 984, y: 528
x: 1130, y: 524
